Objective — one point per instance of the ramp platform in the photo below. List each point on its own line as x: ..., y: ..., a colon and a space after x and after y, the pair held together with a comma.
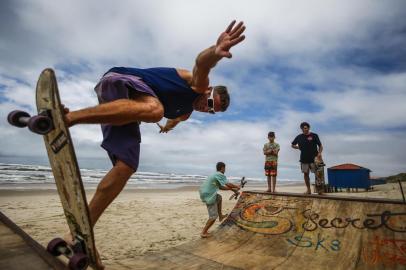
x: 291, y: 231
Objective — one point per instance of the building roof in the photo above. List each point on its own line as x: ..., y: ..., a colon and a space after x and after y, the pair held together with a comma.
x: 348, y: 166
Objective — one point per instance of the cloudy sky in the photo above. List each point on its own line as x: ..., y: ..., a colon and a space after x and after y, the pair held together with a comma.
x: 339, y: 65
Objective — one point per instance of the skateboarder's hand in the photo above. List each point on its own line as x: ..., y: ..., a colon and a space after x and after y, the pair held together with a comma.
x: 231, y: 37
x: 65, y: 109
x: 66, y: 112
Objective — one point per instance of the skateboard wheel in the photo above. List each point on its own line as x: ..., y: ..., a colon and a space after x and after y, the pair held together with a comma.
x: 55, y: 245
x: 14, y: 118
x: 40, y: 124
x: 79, y: 261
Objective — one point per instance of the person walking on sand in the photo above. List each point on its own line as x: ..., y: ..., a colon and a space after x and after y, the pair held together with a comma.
x: 213, y: 200
x: 271, y: 151
x: 128, y: 96
x: 310, y: 146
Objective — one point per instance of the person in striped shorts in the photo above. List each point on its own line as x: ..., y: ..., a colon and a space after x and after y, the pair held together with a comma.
x: 271, y: 151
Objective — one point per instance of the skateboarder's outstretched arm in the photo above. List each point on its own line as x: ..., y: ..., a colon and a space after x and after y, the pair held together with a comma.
x: 205, y: 61
x: 208, y: 58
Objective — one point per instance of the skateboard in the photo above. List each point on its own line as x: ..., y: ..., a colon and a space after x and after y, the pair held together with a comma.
x: 320, y: 184
x: 237, y: 193
x: 49, y: 122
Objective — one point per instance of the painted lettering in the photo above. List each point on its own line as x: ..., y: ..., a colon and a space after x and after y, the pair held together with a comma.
x: 319, y: 244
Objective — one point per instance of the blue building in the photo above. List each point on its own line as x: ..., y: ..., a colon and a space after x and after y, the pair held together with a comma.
x: 349, y: 176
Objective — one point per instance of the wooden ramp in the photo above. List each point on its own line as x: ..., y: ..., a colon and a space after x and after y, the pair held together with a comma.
x: 19, y: 251
x: 290, y: 231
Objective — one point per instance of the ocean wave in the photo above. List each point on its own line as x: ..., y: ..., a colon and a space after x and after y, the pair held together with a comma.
x: 39, y: 174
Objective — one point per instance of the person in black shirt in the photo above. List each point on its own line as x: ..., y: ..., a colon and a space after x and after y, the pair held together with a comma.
x: 310, y: 146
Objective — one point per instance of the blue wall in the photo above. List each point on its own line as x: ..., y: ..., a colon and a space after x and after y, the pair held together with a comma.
x: 349, y: 178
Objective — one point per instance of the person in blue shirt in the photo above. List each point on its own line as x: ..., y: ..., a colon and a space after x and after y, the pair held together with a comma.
x: 129, y: 95
x: 213, y: 200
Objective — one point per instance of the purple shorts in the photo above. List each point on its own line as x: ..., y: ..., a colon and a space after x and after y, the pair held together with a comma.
x: 121, y: 142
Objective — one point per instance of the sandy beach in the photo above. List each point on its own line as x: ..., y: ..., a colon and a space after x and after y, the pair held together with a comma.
x: 138, y: 221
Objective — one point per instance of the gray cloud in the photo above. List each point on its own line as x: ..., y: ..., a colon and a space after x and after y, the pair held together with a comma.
x: 289, y: 46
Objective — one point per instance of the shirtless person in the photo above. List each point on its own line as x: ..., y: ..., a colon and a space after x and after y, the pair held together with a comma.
x: 128, y: 96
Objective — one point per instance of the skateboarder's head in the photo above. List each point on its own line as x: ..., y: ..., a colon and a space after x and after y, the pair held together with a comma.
x: 221, y: 167
x: 215, y: 99
x: 305, y: 127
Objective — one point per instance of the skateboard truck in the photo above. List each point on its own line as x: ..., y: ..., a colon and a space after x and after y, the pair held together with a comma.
x: 237, y: 193
x: 40, y: 124
x: 76, y: 253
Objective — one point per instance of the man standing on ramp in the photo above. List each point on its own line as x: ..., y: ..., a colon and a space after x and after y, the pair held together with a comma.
x: 128, y: 96
x: 310, y: 146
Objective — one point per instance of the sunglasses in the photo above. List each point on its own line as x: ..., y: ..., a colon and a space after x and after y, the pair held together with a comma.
x: 210, y: 103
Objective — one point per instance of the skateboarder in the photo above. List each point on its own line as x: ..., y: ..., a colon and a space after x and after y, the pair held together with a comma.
x: 310, y: 146
x: 128, y: 96
x: 271, y: 150
x: 213, y: 200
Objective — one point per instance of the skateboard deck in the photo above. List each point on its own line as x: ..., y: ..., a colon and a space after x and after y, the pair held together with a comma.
x: 65, y: 168
x: 320, y: 183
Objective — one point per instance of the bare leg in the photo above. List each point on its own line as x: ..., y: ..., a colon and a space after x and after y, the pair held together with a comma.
x: 108, y: 189
x: 273, y: 178
x: 220, y: 210
x: 269, y: 179
x: 209, y: 223
x: 307, y: 182
x: 119, y: 112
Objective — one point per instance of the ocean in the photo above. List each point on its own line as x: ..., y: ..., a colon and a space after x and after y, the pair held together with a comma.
x: 35, y: 173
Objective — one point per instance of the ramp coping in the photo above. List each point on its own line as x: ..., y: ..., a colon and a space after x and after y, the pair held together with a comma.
x: 326, y: 197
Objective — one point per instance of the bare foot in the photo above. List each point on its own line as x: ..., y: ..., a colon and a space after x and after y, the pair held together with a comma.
x: 268, y: 190
x: 222, y: 217
x: 205, y: 235
x: 307, y: 193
